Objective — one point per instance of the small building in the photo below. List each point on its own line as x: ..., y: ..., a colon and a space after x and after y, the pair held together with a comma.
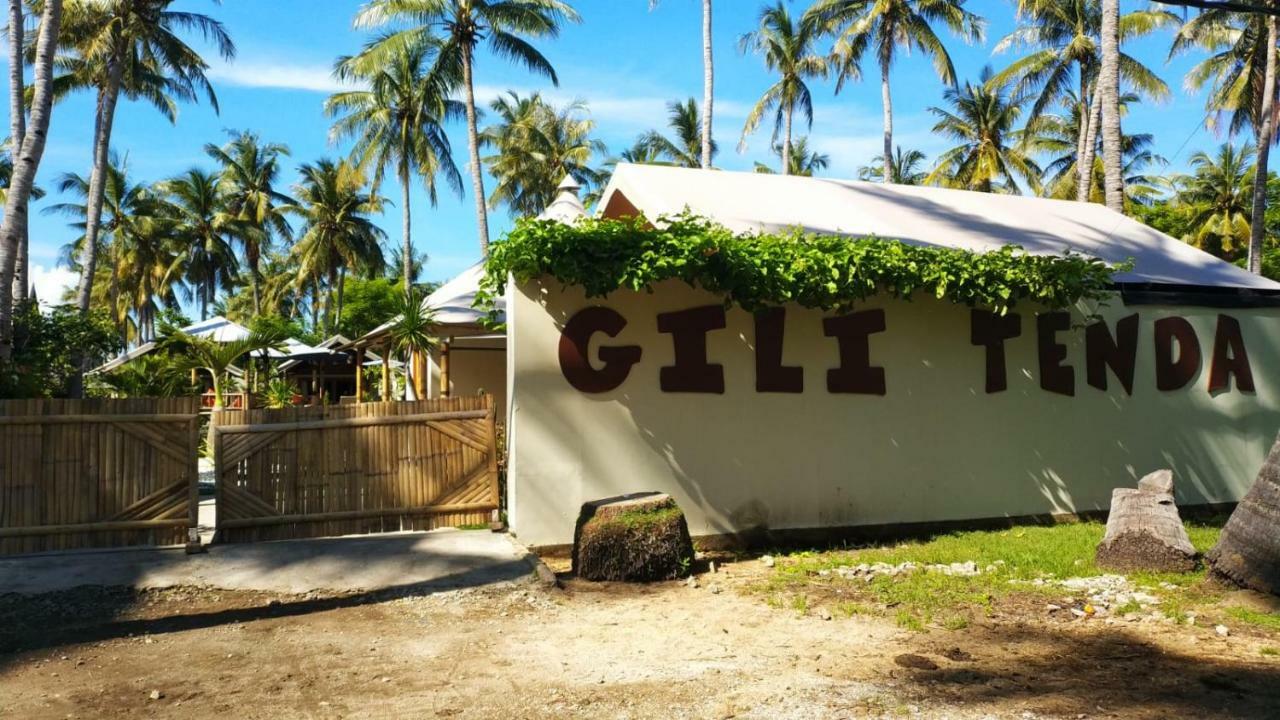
x: 1040, y: 415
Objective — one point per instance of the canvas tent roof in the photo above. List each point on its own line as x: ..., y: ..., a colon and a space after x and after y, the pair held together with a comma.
x: 747, y: 202
x: 452, y: 305
x: 218, y: 328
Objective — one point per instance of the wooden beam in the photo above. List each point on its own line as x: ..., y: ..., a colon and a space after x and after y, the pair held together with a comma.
x: 92, y: 527
x: 355, y: 514
x: 73, y: 419
x: 444, y: 369
x: 386, y: 372
x: 360, y: 375
x: 351, y: 422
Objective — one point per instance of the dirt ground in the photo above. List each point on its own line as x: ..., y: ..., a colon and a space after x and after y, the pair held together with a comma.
x: 667, y: 650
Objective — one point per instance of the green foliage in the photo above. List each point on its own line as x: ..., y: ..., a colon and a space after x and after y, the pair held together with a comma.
x: 156, y: 374
x: 279, y: 393
x: 754, y: 271
x: 412, y: 329
x: 367, y: 304
x: 41, y: 363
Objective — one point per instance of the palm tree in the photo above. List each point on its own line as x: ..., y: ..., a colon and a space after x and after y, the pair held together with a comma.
x: 904, y: 170
x: 1109, y: 99
x: 788, y: 49
x: 536, y: 145
x: 129, y: 212
x: 1219, y: 192
x: 885, y: 26
x: 21, y: 268
x: 204, y: 353
x: 686, y: 149
x: 26, y: 162
x: 707, y: 147
x: 1241, y: 75
x: 132, y: 47
x: 992, y: 154
x: 17, y: 129
x: 411, y: 335
x: 1063, y: 38
x: 205, y: 231
x: 398, y: 121
x: 803, y: 162
x: 1246, y: 552
x: 1057, y: 136
x: 249, y: 170
x: 462, y: 25
x: 337, y: 235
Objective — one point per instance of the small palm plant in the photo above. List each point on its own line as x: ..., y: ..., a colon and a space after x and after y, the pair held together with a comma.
x: 215, y: 357
x: 411, y: 333
x: 279, y: 393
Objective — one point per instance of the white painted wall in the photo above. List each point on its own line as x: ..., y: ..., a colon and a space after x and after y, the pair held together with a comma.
x: 935, y: 447
x: 475, y: 366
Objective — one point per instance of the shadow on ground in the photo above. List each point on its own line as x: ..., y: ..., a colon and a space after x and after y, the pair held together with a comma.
x: 94, y: 614
x: 1108, y: 672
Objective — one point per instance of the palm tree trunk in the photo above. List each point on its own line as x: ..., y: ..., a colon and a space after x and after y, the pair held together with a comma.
x: 17, y: 129
x: 342, y: 284
x: 888, y: 122
x: 1258, y: 222
x: 107, y: 99
x: 473, y: 145
x: 407, y: 259
x: 328, y: 301
x: 786, y: 142
x: 1248, y: 551
x: 1109, y: 83
x: 253, y: 285
x: 1088, y: 158
x: 25, y: 166
x: 708, y: 82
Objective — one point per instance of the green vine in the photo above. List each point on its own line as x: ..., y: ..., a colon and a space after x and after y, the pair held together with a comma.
x: 759, y: 270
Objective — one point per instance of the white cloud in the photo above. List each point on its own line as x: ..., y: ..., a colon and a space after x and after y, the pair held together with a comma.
x: 51, y: 283
x: 278, y: 75
x: 612, y: 111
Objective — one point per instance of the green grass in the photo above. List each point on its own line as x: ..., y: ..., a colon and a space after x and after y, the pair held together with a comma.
x: 1270, y: 651
x: 1010, y: 560
x: 1266, y: 621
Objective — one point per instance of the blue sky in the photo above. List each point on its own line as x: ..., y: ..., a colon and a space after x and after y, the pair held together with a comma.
x: 624, y: 60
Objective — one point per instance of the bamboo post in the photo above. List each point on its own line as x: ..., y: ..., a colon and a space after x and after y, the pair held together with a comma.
x: 444, y: 369
x: 386, y: 372
x: 359, y: 375
x: 415, y: 359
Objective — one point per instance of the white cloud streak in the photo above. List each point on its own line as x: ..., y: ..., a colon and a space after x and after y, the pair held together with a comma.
x: 51, y: 283
x: 277, y: 75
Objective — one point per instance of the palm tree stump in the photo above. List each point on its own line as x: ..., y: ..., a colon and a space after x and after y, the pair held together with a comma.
x: 1144, y: 530
x: 1248, y: 551
x: 634, y: 538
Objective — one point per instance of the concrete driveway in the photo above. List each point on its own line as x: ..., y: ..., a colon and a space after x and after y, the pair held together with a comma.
x: 432, y: 560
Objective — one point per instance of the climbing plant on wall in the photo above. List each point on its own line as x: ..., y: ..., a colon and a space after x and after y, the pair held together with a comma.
x: 758, y: 270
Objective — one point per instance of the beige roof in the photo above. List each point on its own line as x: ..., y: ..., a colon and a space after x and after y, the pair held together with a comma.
x: 747, y: 202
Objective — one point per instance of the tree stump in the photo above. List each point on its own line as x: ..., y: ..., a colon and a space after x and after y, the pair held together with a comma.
x: 1248, y: 551
x: 634, y: 538
x: 1144, y: 530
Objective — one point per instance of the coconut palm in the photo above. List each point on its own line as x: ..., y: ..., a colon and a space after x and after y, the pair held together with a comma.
x: 707, y: 147
x: 886, y: 26
x: 536, y: 145
x: 249, y: 171
x: 1063, y: 39
x: 686, y: 149
x: 27, y: 161
x: 205, y: 232
x: 904, y: 170
x: 131, y: 47
x: 337, y: 235
x: 129, y: 211
x: 17, y: 129
x: 789, y: 49
x: 1109, y: 99
x: 1246, y: 553
x: 992, y: 154
x: 398, y: 122
x: 803, y: 162
x: 1057, y: 137
x: 1241, y: 76
x: 1219, y: 190
x: 461, y: 26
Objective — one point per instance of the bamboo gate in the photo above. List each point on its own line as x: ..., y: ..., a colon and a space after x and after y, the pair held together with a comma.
x: 353, y: 469
x: 97, y: 473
